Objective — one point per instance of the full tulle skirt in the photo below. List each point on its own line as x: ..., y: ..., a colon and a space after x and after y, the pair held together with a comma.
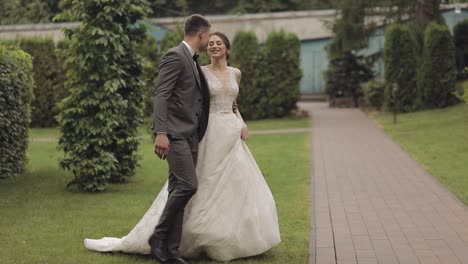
x: 232, y: 215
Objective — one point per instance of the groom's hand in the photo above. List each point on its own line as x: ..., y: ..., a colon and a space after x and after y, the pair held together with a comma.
x: 161, y: 146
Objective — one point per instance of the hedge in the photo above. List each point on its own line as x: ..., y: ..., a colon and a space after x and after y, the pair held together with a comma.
x: 49, y: 79
x: 374, y: 94
x: 281, y: 73
x: 245, y: 53
x: 400, y: 61
x: 460, y: 32
x: 436, y: 81
x: 16, y: 82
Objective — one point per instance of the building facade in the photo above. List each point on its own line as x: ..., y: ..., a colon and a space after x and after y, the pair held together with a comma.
x: 309, y: 26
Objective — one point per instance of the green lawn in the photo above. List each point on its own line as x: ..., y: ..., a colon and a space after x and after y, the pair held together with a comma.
x: 282, y: 123
x: 268, y: 124
x: 437, y: 139
x: 44, y: 133
x: 42, y: 222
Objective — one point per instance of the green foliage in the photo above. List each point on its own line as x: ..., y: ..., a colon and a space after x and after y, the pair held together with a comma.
x: 255, y: 6
x: 48, y: 80
x: 34, y: 11
x: 24, y: 12
x: 462, y: 91
x: 460, y: 32
x: 374, y: 94
x: 247, y: 6
x: 417, y: 35
x: 436, y: 81
x: 148, y: 50
x: 100, y: 118
x: 244, y: 56
x: 346, y: 70
x: 345, y: 75
x: 172, y: 39
x: 281, y: 73
x: 401, y: 64
x: 164, y: 8
x: 16, y: 82
x: 203, y: 59
x: 38, y: 11
x: 351, y: 33
x: 8, y: 42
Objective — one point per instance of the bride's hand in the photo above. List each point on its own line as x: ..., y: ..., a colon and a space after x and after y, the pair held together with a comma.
x: 244, y: 134
x: 235, y: 106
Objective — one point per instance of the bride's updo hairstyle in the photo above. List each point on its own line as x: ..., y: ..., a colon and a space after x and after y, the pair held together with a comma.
x: 225, y: 40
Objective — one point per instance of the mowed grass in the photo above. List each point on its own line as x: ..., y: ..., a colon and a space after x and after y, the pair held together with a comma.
x: 44, y: 133
x: 279, y: 123
x: 437, y: 139
x: 42, y: 222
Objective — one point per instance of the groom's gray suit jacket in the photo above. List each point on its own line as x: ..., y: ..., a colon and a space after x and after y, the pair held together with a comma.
x: 181, y: 98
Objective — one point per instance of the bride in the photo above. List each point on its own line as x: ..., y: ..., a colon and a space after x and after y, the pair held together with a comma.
x: 233, y: 214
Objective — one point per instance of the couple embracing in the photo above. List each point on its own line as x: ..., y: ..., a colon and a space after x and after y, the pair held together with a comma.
x: 216, y: 201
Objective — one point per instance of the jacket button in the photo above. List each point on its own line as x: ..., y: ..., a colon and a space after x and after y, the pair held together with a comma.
x: 199, y: 99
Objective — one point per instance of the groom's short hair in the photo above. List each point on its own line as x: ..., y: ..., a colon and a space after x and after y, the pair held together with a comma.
x: 195, y: 23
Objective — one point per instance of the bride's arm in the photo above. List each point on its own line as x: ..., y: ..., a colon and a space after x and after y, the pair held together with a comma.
x: 238, y: 114
x: 244, y: 132
x: 238, y: 79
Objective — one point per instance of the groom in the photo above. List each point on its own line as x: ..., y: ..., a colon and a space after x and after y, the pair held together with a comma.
x: 181, y: 108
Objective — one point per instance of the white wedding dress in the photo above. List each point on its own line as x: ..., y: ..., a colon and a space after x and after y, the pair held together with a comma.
x: 233, y: 214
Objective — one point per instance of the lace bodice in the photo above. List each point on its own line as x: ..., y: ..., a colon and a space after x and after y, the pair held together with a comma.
x: 223, y: 92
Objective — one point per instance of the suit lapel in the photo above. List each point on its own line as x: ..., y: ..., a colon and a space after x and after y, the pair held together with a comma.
x: 191, y: 62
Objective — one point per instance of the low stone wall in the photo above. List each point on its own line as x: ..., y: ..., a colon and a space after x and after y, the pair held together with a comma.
x: 306, y: 24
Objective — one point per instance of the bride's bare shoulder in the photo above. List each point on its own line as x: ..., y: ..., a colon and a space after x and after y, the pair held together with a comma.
x: 238, y: 73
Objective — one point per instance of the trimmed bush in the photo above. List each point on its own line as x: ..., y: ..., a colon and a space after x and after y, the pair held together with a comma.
x: 436, y: 82
x: 48, y: 79
x: 374, y: 94
x: 401, y: 64
x: 99, y: 120
x: 16, y: 82
x: 417, y: 34
x: 460, y: 32
x: 244, y: 56
x: 281, y: 73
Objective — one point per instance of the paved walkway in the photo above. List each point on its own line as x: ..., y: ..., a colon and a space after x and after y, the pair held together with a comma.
x: 372, y: 203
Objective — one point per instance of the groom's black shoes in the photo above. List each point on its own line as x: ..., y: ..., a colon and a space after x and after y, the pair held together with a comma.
x: 158, y: 250
x: 176, y: 261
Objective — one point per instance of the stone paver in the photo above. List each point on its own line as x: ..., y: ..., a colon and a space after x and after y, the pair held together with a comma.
x: 372, y: 203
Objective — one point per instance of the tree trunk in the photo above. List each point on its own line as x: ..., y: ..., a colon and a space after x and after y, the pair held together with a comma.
x: 427, y: 11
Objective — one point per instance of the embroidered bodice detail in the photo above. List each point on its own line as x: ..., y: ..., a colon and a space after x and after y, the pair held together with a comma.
x: 223, y: 90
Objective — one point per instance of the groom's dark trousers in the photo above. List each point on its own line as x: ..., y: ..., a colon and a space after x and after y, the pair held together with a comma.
x: 183, y: 184
x: 181, y: 110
